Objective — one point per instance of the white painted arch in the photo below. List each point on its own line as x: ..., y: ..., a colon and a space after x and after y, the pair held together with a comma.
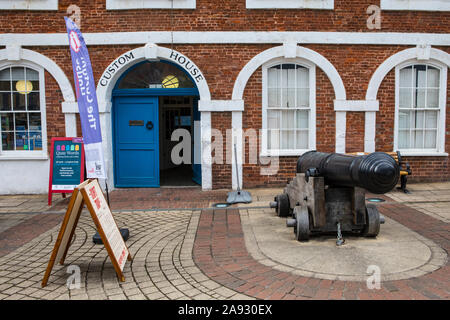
x: 123, y: 63
x: 398, y: 58
x: 281, y: 51
x: 19, y: 54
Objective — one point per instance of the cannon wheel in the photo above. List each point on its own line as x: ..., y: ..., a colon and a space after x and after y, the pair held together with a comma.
x: 283, y: 205
x: 372, y: 227
x: 302, y: 228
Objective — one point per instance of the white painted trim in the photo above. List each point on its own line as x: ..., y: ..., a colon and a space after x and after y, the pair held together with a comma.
x: 28, y: 4
x: 50, y: 66
x: 153, y: 4
x: 341, y: 131
x: 416, y: 5
x: 440, y: 139
x: 69, y: 107
x: 28, y: 154
x: 205, y: 131
x: 221, y: 105
x: 229, y: 37
x: 356, y: 105
x: 120, y: 65
x: 423, y: 154
x: 369, y: 131
x: 290, y: 4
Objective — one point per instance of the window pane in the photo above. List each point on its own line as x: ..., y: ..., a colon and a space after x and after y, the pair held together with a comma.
x: 433, y: 77
x: 302, y: 139
x: 5, y: 80
x: 405, y: 100
x: 35, y: 140
x: 22, y: 140
x: 35, y: 121
x: 274, y: 98
x: 288, y: 76
x: 431, y: 120
x: 7, y: 122
x: 420, y: 96
x: 302, y: 77
x: 406, y: 77
x: 419, y: 119
x: 291, y: 98
x: 404, y: 119
x: 403, y: 139
x: 32, y: 75
x: 33, y: 101
x: 18, y: 101
x: 284, y: 99
x: 21, y: 122
x: 430, y: 139
x: 302, y: 120
x: 287, y: 139
x: 418, y: 139
x: 17, y: 73
x: 273, y: 119
x: 156, y: 75
x: 288, y: 119
x: 302, y: 98
x: 421, y: 81
x: 5, y: 101
x: 433, y: 98
x: 274, y: 76
x: 7, y: 141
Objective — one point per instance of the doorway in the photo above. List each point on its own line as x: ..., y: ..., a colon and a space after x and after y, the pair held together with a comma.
x: 150, y: 102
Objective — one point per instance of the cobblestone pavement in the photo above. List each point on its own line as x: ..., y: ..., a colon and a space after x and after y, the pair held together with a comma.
x: 162, y: 268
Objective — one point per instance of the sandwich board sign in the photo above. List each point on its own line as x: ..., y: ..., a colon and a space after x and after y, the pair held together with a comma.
x: 66, y: 165
x: 90, y: 193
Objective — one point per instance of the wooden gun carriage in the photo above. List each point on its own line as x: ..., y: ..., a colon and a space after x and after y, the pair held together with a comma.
x: 328, y: 194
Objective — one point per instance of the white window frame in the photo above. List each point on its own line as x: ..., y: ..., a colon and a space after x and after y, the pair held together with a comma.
x: 28, y: 4
x: 440, y: 139
x: 312, y: 111
x: 28, y: 154
x: 290, y: 4
x: 149, y: 4
x: 415, y: 5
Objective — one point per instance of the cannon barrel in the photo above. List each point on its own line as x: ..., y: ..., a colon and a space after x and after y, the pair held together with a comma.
x: 377, y: 172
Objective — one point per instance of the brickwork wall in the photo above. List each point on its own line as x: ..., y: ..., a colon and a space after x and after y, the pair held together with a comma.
x: 223, y: 15
x: 221, y: 65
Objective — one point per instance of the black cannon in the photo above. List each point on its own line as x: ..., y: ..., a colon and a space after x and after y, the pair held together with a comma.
x: 328, y: 193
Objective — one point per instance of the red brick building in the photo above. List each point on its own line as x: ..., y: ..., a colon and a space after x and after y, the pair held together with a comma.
x: 280, y: 77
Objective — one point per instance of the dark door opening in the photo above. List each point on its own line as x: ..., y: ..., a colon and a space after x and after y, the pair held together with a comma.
x: 176, y: 112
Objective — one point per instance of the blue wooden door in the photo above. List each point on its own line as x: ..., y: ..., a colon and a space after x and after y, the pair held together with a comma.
x: 136, y: 131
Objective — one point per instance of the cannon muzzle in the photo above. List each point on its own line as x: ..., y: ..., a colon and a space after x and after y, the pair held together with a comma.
x: 377, y: 172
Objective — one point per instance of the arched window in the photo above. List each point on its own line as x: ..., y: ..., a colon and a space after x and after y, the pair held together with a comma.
x: 288, y: 107
x: 420, y: 108
x: 22, y: 123
x: 155, y: 75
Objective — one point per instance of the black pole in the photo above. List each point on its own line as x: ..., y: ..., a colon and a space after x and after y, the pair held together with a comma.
x: 107, y: 193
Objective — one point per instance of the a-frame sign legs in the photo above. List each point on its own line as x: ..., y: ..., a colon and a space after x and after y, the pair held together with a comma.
x: 90, y: 193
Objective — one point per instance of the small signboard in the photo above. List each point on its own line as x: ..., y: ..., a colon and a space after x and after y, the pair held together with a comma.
x: 66, y: 165
x: 90, y: 193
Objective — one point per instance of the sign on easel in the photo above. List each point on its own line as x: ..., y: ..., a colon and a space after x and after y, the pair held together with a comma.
x: 90, y: 193
x: 66, y: 165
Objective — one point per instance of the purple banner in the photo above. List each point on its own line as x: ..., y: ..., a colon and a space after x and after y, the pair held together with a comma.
x: 87, y: 101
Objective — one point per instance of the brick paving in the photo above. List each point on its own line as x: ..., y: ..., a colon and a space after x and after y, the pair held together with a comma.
x: 186, y: 254
x: 221, y: 253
